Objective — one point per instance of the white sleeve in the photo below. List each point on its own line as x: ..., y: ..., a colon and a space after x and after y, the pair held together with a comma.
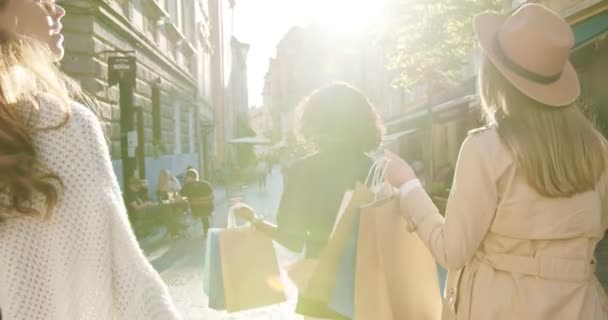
x: 138, y: 290
x: 409, y: 186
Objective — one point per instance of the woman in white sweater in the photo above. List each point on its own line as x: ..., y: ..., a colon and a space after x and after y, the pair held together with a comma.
x: 66, y: 248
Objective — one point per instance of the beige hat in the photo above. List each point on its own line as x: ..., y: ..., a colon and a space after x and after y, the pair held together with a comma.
x: 531, y: 49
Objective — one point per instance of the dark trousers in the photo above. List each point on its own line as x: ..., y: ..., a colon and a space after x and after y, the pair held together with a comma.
x: 205, y: 219
x: 203, y: 213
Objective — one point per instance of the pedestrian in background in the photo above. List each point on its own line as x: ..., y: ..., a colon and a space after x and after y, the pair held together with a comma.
x: 261, y: 173
x: 200, y: 196
x: 66, y: 249
x: 315, y: 185
x: 528, y: 204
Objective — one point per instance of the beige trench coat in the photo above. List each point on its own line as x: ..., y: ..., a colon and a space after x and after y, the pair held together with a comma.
x: 512, y: 254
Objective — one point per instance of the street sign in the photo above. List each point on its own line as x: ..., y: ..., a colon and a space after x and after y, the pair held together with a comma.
x: 122, y: 70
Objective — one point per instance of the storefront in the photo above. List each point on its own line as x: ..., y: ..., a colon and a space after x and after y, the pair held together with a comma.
x: 434, y: 134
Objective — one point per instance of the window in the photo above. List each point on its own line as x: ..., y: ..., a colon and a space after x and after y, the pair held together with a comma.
x: 191, y: 64
x: 151, y: 28
x: 188, y: 20
x: 173, y: 48
x: 125, y: 5
x: 177, y: 113
x: 191, y: 133
x: 172, y: 9
x: 156, y: 115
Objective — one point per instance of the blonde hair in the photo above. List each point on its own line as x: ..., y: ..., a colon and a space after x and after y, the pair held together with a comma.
x: 27, y: 73
x: 558, y: 149
x: 163, y: 180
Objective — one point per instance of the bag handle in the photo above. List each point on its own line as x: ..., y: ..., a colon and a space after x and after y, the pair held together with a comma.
x: 375, y: 177
x: 375, y: 170
x: 232, y: 222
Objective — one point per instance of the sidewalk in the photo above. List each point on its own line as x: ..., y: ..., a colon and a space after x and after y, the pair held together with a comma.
x: 180, y: 263
x: 157, y: 237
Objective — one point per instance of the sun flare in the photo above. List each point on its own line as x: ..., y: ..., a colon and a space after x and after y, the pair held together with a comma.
x: 350, y: 16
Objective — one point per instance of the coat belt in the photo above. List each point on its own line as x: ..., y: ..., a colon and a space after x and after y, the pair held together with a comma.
x: 544, y: 267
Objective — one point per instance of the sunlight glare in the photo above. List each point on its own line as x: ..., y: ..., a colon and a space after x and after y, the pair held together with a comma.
x: 351, y: 16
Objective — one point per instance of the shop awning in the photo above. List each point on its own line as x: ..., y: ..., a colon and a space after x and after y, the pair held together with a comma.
x: 250, y: 140
x: 591, y: 28
x: 438, y: 109
x: 395, y: 136
x: 418, y: 113
x: 454, y: 103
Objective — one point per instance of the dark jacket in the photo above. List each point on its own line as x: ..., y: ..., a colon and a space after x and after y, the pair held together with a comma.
x: 313, y: 191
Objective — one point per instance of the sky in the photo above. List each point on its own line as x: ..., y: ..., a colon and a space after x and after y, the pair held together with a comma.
x: 262, y: 24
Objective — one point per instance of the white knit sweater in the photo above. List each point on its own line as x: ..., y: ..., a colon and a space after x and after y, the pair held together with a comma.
x: 84, y: 263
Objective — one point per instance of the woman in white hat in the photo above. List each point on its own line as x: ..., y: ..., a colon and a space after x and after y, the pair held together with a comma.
x: 528, y: 204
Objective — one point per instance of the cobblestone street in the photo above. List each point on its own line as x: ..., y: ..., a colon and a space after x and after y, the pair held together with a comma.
x: 180, y: 262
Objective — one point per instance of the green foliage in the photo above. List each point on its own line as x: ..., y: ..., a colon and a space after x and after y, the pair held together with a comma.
x: 434, y: 38
x: 245, y: 153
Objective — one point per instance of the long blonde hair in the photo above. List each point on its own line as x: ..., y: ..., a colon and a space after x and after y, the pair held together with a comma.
x: 558, y: 149
x: 164, y: 178
x: 27, y: 73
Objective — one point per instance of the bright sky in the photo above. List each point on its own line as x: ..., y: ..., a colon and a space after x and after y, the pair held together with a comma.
x: 262, y: 24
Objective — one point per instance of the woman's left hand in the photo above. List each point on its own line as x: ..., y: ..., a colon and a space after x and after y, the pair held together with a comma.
x: 398, y: 171
x: 243, y: 211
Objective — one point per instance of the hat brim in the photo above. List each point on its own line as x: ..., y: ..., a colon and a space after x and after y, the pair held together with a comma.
x: 562, y: 92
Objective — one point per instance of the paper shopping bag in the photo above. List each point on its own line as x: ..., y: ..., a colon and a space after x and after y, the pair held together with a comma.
x: 371, y: 295
x: 250, y: 270
x: 342, y: 296
x: 409, y: 269
x: 323, y: 279
x: 213, y: 282
x: 301, y: 271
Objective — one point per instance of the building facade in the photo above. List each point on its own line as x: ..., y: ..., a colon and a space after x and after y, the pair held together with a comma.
x: 163, y: 38
x: 182, y: 97
x: 205, y: 89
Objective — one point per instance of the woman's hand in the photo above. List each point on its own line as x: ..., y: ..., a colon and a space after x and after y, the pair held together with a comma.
x: 398, y: 172
x: 243, y: 211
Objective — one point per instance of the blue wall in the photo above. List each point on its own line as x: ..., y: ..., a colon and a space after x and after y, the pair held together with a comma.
x: 177, y: 164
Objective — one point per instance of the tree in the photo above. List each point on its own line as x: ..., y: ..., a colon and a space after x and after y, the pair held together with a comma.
x: 433, y: 39
x: 245, y: 153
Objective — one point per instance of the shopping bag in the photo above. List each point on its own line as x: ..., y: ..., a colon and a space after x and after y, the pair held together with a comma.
x: 409, y: 269
x: 342, y: 295
x: 371, y: 295
x: 250, y: 270
x: 213, y: 282
x: 323, y: 278
x: 344, y: 298
x: 301, y: 271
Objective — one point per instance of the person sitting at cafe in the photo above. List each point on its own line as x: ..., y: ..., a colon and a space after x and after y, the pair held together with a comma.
x: 146, y: 215
x: 137, y: 202
x: 167, y: 187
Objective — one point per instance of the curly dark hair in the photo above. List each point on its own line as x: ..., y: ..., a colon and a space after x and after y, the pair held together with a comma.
x: 339, y: 117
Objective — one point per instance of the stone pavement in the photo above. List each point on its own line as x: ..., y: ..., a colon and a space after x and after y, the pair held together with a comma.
x: 180, y: 262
